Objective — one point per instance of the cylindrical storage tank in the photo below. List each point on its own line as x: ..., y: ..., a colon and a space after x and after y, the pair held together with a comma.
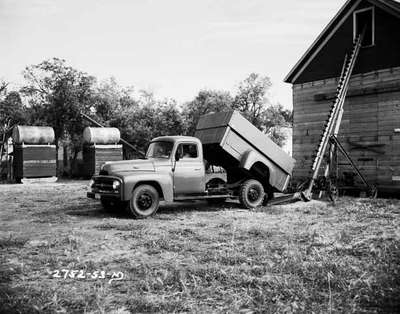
x: 101, y: 135
x: 24, y: 134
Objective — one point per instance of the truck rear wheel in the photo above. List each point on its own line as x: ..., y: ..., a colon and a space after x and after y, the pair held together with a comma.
x: 251, y: 194
x: 144, y: 201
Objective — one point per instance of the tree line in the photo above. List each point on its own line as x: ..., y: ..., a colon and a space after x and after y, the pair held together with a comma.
x: 55, y: 93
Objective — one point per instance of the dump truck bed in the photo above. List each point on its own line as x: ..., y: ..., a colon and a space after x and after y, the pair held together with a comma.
x: 227, y: 136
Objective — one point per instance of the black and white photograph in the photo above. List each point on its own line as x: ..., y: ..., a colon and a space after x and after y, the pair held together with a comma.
x: 199, y: 156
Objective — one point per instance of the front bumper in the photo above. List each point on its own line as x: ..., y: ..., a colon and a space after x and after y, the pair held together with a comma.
x: 103, y: 186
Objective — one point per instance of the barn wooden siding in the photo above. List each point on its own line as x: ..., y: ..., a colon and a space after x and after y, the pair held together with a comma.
x: 370, y: 129
x: 94, y: 156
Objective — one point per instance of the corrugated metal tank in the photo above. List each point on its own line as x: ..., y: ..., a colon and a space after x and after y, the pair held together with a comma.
x: 24, y: 134
x: 101, y: 135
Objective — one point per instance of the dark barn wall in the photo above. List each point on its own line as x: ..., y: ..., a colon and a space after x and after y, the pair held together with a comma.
x: 384, y: 54
x: 368, y: 129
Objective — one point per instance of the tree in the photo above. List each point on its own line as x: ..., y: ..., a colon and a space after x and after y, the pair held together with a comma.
x: 206, y: 101
x: 287, y: 115
x: 252, y: 101
x: 251, y: 98
x: 11, y: 110
x: 168, y: 120
x: 11, y: 107
x: 109, y: 99
x: 275, y: 119
x: 147, y: 119
x: 3, y: 87
x: 57, y: 93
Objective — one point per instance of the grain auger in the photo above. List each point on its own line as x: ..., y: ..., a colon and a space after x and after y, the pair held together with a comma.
x: 329, y: 136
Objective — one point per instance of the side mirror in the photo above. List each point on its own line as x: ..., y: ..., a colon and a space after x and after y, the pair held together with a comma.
x: 177, y: 156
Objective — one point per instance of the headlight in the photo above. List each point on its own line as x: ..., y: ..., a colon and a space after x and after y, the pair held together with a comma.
x: 116, y: 184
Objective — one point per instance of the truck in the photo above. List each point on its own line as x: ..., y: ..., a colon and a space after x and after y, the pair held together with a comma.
x: 227, y: 158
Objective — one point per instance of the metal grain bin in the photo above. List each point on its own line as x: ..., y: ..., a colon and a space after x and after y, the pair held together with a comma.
x: 101, y: 135
x: 35, y: 135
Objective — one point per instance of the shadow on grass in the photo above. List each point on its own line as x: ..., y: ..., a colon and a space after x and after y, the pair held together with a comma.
x: 92, y: 210
x: 12, y: 242
x: 12, y: 299
x: 165, y: 212
x: 196, y: 206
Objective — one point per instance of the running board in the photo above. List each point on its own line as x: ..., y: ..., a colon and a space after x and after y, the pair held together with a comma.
x: 201, y: 197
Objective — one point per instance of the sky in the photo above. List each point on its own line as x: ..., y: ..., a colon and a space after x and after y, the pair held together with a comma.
x: 173, y: 48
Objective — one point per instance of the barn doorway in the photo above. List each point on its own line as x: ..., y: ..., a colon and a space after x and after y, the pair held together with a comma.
x: 364, y: 19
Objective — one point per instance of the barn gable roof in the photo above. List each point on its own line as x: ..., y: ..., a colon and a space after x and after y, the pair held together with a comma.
x: 390, y: 6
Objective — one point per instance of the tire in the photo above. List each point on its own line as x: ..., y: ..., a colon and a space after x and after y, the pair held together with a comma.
x: 144, y: 201
x: 251, y: 194
x: 112, y: 205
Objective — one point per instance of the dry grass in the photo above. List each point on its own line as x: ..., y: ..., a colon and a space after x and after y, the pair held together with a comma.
x: 302, y: 257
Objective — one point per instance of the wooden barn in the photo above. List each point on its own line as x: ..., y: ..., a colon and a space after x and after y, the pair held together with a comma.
x: 370, y: 126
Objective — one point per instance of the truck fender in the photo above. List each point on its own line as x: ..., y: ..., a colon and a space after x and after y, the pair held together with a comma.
x: 163, y: 181
x: 251, y: 157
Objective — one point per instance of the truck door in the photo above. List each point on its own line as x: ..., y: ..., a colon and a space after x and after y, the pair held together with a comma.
x: 189, y: 170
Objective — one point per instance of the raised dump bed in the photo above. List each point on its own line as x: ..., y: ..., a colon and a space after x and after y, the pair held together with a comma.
x: 231, y: 141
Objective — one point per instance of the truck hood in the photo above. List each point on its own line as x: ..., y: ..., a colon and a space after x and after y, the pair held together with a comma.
x: 129, y: 166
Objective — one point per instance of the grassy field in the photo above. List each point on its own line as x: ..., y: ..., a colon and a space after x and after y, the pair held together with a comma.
x: 302, y: 257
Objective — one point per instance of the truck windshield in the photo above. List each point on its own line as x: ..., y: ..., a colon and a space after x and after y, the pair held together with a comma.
x: 159, y: 150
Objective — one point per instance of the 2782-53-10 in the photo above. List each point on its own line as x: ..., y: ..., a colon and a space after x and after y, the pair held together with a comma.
x: 83, y: 274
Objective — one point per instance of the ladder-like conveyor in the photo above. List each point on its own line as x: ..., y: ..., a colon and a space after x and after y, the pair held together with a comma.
x: 332, y: 125
x: 329, y: 135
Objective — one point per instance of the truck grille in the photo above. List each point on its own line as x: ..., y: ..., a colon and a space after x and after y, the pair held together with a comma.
x: 104, y: 185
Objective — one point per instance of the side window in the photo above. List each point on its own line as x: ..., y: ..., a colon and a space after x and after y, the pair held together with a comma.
x: 187, y: 151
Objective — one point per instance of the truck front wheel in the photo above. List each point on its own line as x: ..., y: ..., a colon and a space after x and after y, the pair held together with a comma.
x: 251, y: 194
x: 144, y: 201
